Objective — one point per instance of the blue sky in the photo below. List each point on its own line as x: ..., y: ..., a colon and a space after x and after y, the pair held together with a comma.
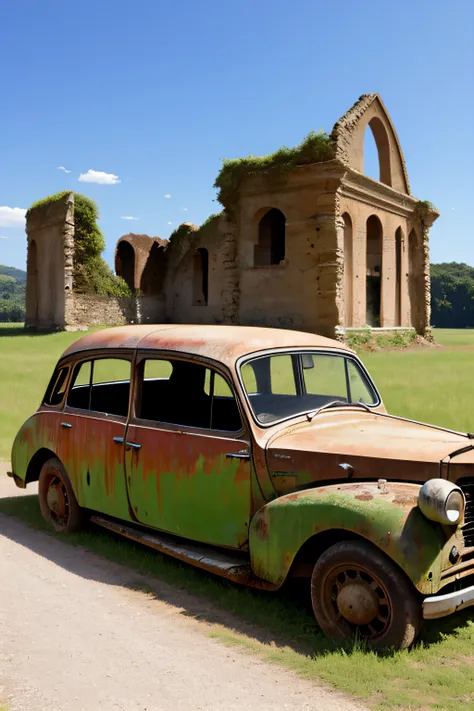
x: 156, y: 93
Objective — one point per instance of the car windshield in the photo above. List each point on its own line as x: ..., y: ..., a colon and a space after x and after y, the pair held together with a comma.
x: 289, y: 384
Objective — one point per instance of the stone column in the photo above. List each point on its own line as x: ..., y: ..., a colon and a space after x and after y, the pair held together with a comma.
x: 389, y: 277
x: 329, y: 273
x: 359, y: 269
x: 404, y: 272
x: 426, y: 214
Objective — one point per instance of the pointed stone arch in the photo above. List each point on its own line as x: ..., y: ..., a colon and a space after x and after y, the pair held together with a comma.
x: 349, y: 133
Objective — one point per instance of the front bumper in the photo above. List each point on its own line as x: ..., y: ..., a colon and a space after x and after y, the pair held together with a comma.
x: 443, y: 605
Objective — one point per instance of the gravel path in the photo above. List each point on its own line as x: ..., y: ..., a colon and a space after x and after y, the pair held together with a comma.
x: 75, y: 637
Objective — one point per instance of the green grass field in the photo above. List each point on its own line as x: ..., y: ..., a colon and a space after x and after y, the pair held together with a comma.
x: 431, y: 384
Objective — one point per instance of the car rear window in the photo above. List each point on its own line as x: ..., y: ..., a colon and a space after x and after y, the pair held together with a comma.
x: 101, y: 385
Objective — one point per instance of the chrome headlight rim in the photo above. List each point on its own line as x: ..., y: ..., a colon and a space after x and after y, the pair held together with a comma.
x: 442, y: 501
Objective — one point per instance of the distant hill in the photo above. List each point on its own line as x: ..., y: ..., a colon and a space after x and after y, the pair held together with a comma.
x: 12, y: 294
x: 17, y: 274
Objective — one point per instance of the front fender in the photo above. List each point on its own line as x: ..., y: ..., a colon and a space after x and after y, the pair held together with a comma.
x: 387, y: 516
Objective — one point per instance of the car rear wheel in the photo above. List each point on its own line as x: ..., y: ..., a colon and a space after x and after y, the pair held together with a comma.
x: 357, y: 591
x: 57, y: 500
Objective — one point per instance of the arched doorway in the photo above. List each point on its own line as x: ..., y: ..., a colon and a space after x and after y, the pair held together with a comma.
x: 374, y: 272
x: 125, y: 263
x: 347, y: 270
x: 201, y: 277
x: 271, y: 239
x: 398, y: 276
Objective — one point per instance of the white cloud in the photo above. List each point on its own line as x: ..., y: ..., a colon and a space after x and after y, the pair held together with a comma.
x: 185, y: 209
x: 3, y: 237
x: 12, y: 216
x: 170, y: 223
x: 97, y: 176
x: 167, y: 195
x: 61, y: 167
x: 128, y: 217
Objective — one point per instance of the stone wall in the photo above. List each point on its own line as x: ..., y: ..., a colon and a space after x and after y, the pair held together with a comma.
x: 93, y: 309
x: 298, y: 293
x: 184, y: 302
x: 50, y: 237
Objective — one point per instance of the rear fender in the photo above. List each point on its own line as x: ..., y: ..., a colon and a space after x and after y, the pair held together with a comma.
x: 385, y: 514
x: 39, y: 432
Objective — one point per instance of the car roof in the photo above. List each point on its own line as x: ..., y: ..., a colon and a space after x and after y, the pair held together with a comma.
x: 222, y: 343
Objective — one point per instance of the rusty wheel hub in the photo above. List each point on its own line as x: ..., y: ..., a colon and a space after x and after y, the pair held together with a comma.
x: 56, y: 499
x: 359, y: 599
x: 357, y: 603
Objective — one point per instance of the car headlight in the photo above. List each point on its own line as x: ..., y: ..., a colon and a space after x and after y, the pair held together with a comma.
x: 442, y: 501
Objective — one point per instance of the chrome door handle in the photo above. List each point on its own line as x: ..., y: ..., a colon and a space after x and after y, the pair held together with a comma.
x: 66, y: 425
x: 241, y: 454
x: 118, y: 440
x: 133, y: 445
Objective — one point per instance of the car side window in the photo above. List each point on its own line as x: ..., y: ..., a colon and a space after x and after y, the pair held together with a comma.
x: 57, y: 387
x: 101, y: 385
x: 184, y: 393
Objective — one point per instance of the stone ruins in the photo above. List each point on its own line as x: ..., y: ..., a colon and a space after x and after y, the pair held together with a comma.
x: 321, y: 248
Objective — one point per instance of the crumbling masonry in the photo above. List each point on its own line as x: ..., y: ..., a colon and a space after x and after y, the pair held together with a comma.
x: 321, y: 248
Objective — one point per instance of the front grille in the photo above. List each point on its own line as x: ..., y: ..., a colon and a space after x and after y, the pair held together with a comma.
x: 467, y: 485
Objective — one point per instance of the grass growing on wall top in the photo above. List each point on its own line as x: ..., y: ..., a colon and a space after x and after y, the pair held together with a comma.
x: 315, y: 148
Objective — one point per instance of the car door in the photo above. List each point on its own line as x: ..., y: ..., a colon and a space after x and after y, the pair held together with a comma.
x: 187, y: 453
x: 92, y: 431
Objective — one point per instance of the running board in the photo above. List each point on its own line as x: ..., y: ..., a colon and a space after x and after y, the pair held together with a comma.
x: 226, y: 563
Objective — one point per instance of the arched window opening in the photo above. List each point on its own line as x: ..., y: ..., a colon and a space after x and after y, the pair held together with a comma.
x: 398, y: 277
x: 347, y: 270
x: 125, y: 263
x: 374, y: 271
x: 271, y: 239
x: 32, y: 296
x: 153, y: 274
x: 377, y: 152
x: 201, y: 277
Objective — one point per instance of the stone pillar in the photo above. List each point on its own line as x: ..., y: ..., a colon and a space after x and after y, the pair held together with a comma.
x: 230, y: 289
x: 404, y: 271
x: 329, y: 273
x: 50, y: 230
x: 419, y: 256
x: 389, y: 278
x: 359, y: 269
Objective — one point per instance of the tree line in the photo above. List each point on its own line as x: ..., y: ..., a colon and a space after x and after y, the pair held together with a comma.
x: 452, y: 295
x: 12, y: 294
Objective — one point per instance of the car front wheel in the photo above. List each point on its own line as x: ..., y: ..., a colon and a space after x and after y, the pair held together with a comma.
x: 357, y: 591
x: 57, y: 500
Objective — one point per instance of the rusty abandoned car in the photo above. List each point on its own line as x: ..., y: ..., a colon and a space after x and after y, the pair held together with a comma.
x: 259, y: 454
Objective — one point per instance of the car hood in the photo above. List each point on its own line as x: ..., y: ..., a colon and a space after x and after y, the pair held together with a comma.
x: 369, y: 445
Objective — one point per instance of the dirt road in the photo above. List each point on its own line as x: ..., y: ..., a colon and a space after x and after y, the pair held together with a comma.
x: 74, y: 636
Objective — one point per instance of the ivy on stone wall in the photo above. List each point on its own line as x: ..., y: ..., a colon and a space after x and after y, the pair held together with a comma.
x: 315, y: 148
x: 91, y: 273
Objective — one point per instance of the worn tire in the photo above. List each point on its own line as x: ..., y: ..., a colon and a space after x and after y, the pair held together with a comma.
x: 351, y: 581
x: 57, y: 500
